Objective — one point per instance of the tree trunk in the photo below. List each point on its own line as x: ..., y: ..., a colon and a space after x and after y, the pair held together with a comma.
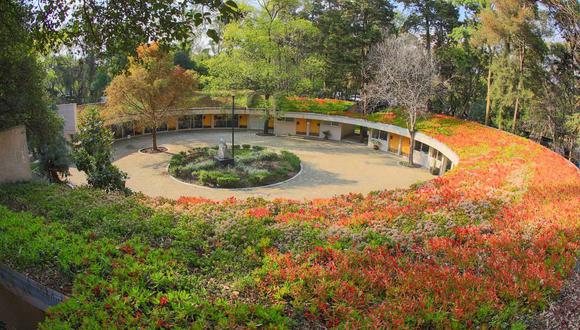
x: 520, y: 87
x: 154, y: 137
x: 516, y: 108
x: 363, y: 131
x: 266, y: 129
x: 488, y: 96
x: 411, y: 147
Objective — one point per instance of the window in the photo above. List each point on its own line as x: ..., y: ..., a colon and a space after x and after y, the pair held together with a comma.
x: 421, y: 147
x: 418, y: 146
x: 332, y: 123
x: 162, y: 127
x: 128, y: 129
x: 117, y: 131
x: 197, y: 121
x: 184, y: 122
x: 383, y: 135
x: 225, y: 121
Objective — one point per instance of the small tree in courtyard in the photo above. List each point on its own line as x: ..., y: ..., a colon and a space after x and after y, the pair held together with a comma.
x: 92, y: 153
x: 150, y: 89
x: 404, y: 75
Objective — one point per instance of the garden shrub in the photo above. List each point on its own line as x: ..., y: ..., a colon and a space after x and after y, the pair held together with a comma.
x: 292, y: 159
x: 267, y: 156
x: 228, y: 180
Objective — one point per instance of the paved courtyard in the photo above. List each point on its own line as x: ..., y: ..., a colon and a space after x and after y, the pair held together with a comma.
x: 329, y: 168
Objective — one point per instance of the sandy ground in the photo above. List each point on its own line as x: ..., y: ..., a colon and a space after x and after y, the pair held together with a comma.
x: 329, y: 168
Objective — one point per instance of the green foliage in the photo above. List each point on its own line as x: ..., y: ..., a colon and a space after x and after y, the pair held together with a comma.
x: 105, y: 28
x: 348, y: 29
x: 262, y: 53
x: 75, y: 80
x: 22, y: 94
x: 303, y: 104
x: 93, y: 153
x: 127, y: 264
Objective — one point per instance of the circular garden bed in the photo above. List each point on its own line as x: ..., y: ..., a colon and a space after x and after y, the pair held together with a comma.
x: 254, y: 166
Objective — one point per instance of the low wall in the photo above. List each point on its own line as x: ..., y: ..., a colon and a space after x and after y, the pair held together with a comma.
x: 29, y: 290
x: 14, y: 157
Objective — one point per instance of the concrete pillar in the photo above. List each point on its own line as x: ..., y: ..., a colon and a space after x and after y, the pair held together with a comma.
x: 308, y: 128
x: 400, y: 145
x: 388, y: 140
x: 443, y: 166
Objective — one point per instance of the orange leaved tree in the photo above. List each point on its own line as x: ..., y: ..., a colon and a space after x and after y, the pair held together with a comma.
x: 150, y: 89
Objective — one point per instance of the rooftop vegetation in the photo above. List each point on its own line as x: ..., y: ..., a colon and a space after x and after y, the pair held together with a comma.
x: 488, y: 244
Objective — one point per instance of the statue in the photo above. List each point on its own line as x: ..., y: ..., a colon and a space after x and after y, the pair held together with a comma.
x: 223, y: 155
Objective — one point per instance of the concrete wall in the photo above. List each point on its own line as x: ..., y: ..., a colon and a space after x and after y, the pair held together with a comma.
x: 284, y: 127
x: 69, y: 113
x: 255, y: 122
x: 335, y: 131
x: 14, y: 159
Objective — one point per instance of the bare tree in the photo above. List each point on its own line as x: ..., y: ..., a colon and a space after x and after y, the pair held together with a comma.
x: 405, y: 76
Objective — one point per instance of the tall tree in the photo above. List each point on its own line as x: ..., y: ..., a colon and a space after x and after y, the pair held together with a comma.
x: 404, y: 76
x: 432, y: 19
x: 23, y: 100
x: 150, y: 89
x: 349, y: 29
x: 117, y: 27
x: 510, y: 25
x: 270, y: 51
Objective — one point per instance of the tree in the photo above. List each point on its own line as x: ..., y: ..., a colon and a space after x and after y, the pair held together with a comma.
x: 461, y: 67
x: 348, y: 29
x: 150, y: 89
x: 93, y: 152
x: 510, y: 24
x: 50, y: 147
x: 117, y: 27
x: 404, y: 76
x: 22, y: 94
x: 269, y: 52
x: 432, y: 19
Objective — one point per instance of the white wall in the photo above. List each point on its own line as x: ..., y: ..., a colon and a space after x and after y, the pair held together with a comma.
x: 14, y: 159
x: 335, y: 131
x: 255, y: 122
x: 421, y: 158
x: 283, y: 127
x: 69, y: 113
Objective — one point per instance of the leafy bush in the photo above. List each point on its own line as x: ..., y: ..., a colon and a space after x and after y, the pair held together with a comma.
x: 292, y: 159
x: 246, y: 146
x: 228, y: 180
x: 93, y: 153
x: 267, y: 156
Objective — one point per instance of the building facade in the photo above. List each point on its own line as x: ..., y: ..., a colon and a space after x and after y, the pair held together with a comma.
x: 428, y: 152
